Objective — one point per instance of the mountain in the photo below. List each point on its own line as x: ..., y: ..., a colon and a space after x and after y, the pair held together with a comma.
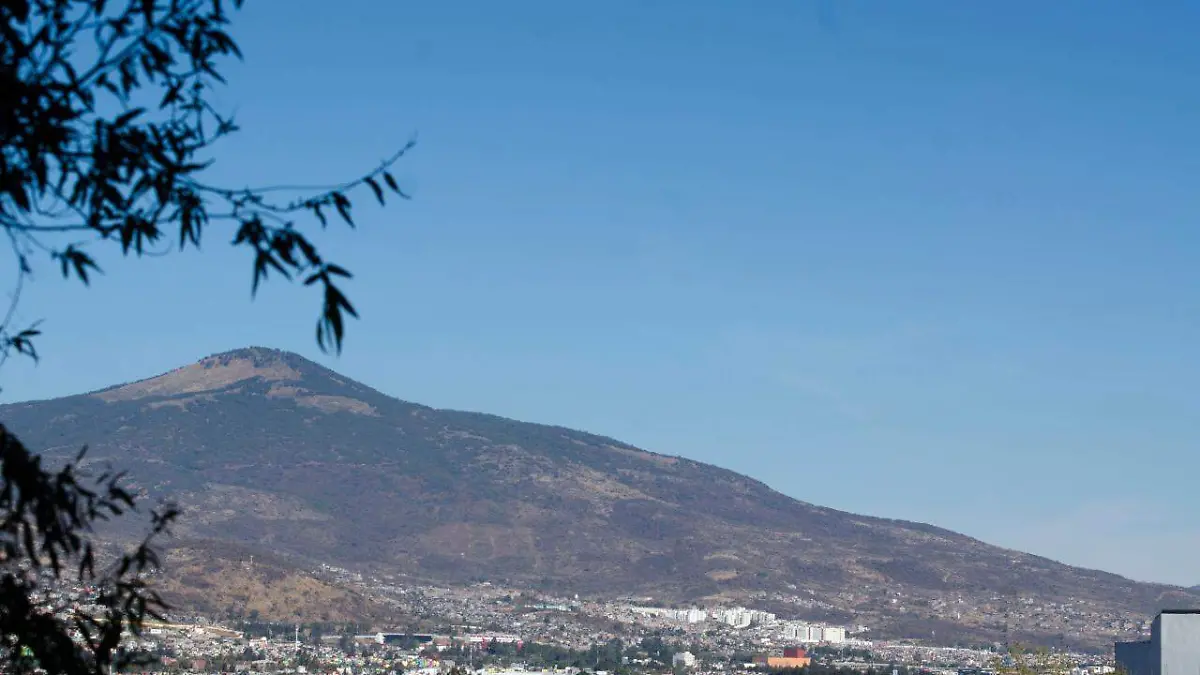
x: 220, y: 579
x: 269, y: 451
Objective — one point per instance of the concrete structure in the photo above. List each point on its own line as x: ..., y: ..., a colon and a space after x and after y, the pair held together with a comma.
x: 807, y: 633
x: 798, y: 631
x: 781, y: 662
x: 396, y: 638
x: 833, y: 635
x: 683, y: 659
x: 793, y: 657
x: 1173, y: 647
x: 738, y: 617
x: 1133, y: 657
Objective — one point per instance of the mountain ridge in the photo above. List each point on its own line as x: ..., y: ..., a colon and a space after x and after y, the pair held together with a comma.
x: 266, y: 448
x: 261, y: 352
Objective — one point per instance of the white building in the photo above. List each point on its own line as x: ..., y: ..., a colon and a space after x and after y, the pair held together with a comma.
x: 799, y: 632
x: 738, y: 617
x: 833, y: 635
x: 683, y: 659
x: 807, y: 633
x: 763, y: 617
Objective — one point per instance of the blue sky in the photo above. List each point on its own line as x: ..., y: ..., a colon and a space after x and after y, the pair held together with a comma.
x: 929, y: 260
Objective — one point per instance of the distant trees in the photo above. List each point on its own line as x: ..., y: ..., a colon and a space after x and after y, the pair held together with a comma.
x: 826, y: 669
x: 106, y: 130
x: 607, y: 656
x: 1025, y: 660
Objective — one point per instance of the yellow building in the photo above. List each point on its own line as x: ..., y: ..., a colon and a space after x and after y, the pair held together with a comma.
x: 783, y: 661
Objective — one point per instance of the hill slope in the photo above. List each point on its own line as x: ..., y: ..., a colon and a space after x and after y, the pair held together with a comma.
x: 267, y: 449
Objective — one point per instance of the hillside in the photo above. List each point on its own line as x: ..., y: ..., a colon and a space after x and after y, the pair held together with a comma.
x: 268, y: 450
x: 225, y: 580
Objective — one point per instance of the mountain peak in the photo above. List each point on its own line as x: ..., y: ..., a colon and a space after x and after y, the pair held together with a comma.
x: 215, y: 372
x: 261, y: 357
x: 266, y: 450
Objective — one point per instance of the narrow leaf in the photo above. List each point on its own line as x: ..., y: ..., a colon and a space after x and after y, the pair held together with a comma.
x: 374, y: 185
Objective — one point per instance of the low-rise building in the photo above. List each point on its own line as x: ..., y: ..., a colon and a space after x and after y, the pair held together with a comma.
x: 793, y: 657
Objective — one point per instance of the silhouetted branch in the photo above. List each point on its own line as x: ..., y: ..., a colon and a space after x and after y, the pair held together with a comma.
x: 129, y: 176
x: 44, y: 541
x: 113, y: 149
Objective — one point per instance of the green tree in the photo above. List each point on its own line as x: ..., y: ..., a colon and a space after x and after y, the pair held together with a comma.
x: 106, y: 133
x: 1025, y: 660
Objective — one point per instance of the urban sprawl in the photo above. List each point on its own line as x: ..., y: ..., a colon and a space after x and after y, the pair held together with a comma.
x: 484, y: 629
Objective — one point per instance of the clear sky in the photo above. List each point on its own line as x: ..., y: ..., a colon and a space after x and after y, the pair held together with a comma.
x: 928, y: 260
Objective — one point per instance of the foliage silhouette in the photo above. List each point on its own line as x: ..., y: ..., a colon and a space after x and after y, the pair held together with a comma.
x: 106, y: 129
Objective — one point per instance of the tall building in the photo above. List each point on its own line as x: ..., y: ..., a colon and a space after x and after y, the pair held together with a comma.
x: 738, y: 617
x: 1173, y: 647
x: 802, y: 632
x: 834, y: 634
x: 795, y: 631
